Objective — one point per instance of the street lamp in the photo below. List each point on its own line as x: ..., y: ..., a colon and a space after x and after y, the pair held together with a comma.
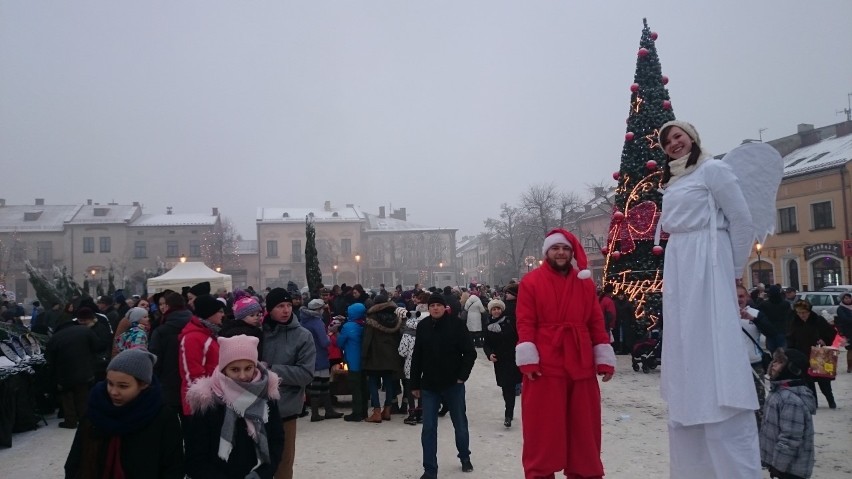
x: 539, y: 263
x: 183, y: 258
x: 334, y: 279
x: 218, y: 269
x: 759, y: 247
x: 529, y: 267
x: 358, y: 264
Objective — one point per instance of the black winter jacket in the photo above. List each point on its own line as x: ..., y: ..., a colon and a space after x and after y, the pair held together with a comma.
x: 164, y: 344
x: 236, y: 327
x: 380, y: 345
x: 443, y: 354
x: 70, y: 354
x: 154, y: 452
x: 202, y: 446
x: 502, y: 345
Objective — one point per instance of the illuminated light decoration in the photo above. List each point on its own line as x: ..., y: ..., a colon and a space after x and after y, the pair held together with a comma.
x: 638, y: 224
x: 637, y: 290
x: 653, y: 139
x: 636, y: 104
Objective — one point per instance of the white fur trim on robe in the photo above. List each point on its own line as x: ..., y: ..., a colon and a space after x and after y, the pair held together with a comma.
x: 604, y: 354
x: 526, y: 353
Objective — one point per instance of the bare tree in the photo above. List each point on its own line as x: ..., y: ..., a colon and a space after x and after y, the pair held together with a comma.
x: 512, y: 233
x: 570, y: 210
x: 541, y: 202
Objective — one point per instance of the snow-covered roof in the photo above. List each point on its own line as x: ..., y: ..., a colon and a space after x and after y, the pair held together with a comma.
x: 831, y: 152
x: 89, y: 214
x: 375, y: 223
x: 36, y: 217
x: 468, y: 245
x: 282, y: 215
x: 247, y: 247
x: 186, y: 219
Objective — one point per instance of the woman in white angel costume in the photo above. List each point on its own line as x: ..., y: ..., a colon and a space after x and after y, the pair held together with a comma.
x: 706, y: 377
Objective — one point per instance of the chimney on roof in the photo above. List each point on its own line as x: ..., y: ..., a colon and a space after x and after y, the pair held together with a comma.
x: 399, y: 214
x: 39, y: 202
x: 843, y: 129
x: 89, y: 202
x: 168, y: 210
x: 2, y: 202
x: 350, y: 205
x: 215, y: 211
x: 807, y: 135
x: 381, y: 211
x: 135, y: 203
x: 327, y: 206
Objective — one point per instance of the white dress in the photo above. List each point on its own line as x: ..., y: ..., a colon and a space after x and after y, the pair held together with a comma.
x: 706, y: 374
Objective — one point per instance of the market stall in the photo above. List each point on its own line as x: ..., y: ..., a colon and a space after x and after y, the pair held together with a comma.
x: 189, y: 274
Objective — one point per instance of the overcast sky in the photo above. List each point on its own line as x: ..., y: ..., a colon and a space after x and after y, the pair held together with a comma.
x: 448, y: 108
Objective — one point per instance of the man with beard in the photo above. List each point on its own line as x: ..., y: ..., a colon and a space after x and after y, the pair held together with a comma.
x: 562, y: 344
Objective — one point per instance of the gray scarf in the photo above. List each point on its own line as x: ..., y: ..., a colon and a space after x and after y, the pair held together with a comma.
x: 247, y: 401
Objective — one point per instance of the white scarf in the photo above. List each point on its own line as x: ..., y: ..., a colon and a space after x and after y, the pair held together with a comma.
x: 679, y: 169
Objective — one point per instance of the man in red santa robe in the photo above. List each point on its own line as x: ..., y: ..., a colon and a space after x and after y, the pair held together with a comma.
x: 562, y: 344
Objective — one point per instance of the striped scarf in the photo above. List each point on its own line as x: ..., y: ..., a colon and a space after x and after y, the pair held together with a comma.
x: 243, y: 400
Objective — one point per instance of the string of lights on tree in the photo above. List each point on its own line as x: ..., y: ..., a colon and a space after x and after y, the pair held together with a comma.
x: 633, y: 264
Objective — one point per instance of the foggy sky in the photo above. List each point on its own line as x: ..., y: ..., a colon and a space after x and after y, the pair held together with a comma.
x: 447, y: 108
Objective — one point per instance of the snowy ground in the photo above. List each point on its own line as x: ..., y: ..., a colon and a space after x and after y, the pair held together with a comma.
x: 634, y: 438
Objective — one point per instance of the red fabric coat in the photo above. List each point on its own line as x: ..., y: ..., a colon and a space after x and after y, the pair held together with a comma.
x: 608, y: 308
x: 198, y: 357
x: 562, y: 317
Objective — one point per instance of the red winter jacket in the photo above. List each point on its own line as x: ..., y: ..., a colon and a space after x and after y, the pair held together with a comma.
x: 561, y: 315
x: 198, y: 356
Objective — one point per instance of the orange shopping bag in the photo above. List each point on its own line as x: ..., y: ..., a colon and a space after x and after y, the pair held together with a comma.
x: 823, y: 362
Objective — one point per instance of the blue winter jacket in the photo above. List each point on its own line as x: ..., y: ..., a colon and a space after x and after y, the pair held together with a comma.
x: 351, y: 336
x: 312, y: 321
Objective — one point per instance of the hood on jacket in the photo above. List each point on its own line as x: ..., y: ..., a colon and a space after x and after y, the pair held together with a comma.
x: 195, y: 326
x: 306, y: 314
x: 798, y: 388
x: 200, y: 395
x: 383, y: 317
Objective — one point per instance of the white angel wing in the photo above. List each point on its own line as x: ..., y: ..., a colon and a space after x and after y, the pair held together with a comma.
x: 759, y: 167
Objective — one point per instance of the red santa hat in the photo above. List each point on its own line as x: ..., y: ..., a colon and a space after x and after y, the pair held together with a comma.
x: 561, y: 236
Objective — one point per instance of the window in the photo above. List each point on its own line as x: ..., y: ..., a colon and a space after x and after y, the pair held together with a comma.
x: 88, y: 244
x: 787, y: 220
x: 821, y: 214
x: 172, y: 249
x: 140, y: 249
x: 296, y: 254
x: 271, y: 249
x: 194, y: 248
x: 106, y: 244
x: 44, y: 254
x: 346, y: 247
x: 19, y: 251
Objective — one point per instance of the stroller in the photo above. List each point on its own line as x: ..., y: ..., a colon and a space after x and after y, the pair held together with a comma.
x: 647, y: 352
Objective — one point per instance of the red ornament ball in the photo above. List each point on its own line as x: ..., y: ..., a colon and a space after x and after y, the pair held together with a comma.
x: 615, y: 255
x: 629, y: 136
x: 616, y: 175
x: 604, y: 250
x: 643, y: 52
x: 667, y: 105
x: 618, y: 216
x: 634, y: 87
x: 657, y: 250
x: 654, y: 36
x: 651, y: 165
x: 665, y: 80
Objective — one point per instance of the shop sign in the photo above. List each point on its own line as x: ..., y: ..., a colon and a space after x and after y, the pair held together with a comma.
x: 821, y: 249
x: 847, y: 248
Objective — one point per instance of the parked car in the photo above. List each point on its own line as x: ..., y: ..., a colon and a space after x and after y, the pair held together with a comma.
x: 838, y: 288
x: 822, y: 301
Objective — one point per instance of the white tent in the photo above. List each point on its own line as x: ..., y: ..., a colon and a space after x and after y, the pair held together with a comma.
x: 189, y: 274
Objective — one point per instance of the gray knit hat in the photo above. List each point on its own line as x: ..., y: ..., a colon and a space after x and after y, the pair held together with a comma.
x: 134, y: 315
x: 138, y: 363
x: 316, y: 304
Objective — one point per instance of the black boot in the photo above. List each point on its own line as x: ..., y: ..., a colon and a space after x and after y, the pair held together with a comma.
x: 507, y: 421
x: 315, y: 415
x: 330, y: 413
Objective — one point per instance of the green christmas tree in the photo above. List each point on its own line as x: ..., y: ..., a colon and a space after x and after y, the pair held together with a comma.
x: 313, y: 274
x: 634, y: 265
x: 61, y: 289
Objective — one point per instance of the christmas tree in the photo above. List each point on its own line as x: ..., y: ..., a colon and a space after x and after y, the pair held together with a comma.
x: 313, y: 274
x: 61, y: 289
x: 634, y: 265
